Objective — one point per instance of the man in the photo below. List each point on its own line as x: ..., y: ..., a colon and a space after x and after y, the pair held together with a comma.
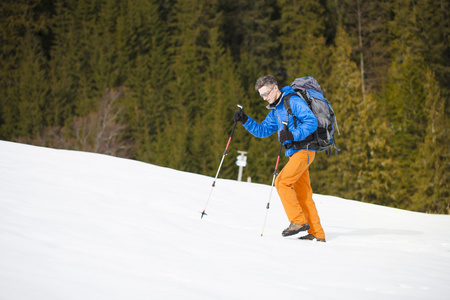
x: 293, y: 183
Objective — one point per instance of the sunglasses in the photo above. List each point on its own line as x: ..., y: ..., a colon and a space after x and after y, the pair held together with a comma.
x: 266, y: 93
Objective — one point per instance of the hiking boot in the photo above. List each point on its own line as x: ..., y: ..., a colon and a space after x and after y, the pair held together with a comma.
x: 310, y: 237
x: 294, y: 229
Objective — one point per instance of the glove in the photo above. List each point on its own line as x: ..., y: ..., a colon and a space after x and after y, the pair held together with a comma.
x: 286, y: 135
x: 240, y: 116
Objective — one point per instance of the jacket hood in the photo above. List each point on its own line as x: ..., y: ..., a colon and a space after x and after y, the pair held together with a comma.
x: 288, y: 90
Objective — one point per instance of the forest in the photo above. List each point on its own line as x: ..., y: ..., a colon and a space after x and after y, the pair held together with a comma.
x: 159, y: 81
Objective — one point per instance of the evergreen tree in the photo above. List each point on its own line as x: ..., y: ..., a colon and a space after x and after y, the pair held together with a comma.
x: 85, y: 20
x: 403, y: 112
x: 302, y: 39
x: 431, y: 178
x: 142, y: 41
x: 190, y: 24
x: 367, y: 24
x: 104, y: 52
x: 31, y: 89
x: 223, y: 92
x: 23, y: 76
x: 250, y: 28
x: 64, y: 66
x: 341, y: 175
x: 433, y: 29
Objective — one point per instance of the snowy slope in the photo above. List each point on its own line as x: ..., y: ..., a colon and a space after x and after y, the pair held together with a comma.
x: 77, y: 225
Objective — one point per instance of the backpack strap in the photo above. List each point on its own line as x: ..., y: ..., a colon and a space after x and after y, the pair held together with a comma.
x: 288, y: 108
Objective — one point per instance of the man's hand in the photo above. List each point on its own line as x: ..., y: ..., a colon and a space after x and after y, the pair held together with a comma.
x: 286, y: 135
x: 240, y: 116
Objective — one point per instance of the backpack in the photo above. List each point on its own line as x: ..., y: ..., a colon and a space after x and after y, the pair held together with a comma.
x: 322, y: 139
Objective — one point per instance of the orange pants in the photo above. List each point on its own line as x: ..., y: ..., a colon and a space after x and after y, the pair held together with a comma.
x: 294, y: 188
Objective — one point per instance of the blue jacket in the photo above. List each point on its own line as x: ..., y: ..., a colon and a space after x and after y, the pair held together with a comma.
x: 273, y: 121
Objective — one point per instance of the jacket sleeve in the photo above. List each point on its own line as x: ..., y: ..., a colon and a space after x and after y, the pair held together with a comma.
x: 265, y: 129
x: 308, y: 121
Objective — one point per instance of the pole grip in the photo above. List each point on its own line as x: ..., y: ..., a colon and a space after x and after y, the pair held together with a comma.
x: 232, y: 130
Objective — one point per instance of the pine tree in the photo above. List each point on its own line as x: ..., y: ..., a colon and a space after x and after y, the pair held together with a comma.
x: 403, y: 114
x: 64, y: 73
x: 142, y: 40
x: 367, y: 24
x: 302, y: 36
x: 250, y: 28
x: 432, y: 164
x: 104, y: 52
x: 433, y: 29
x: 402, y: 111
x: 31, y: 89
x: 341, y: 175
x: 223, y: 92
x: 190, y: 24
x: 23, y: 69
x: 84, y: 17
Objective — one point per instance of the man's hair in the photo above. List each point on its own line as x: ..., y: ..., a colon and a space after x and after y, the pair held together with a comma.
x: 268, y: 80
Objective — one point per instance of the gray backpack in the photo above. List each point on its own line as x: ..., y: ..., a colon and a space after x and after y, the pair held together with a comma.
x: 323, y: 138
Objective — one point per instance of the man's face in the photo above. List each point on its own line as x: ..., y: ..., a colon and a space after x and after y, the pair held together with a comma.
x: 268, y: 94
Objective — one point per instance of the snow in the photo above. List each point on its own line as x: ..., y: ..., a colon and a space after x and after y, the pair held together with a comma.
x: 76, y: 225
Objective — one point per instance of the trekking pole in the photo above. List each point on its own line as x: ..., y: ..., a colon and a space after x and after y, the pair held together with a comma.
x: 220, y: 165
x: 275, y: 173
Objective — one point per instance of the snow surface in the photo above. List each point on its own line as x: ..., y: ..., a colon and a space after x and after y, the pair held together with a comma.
x: 77, y: 225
